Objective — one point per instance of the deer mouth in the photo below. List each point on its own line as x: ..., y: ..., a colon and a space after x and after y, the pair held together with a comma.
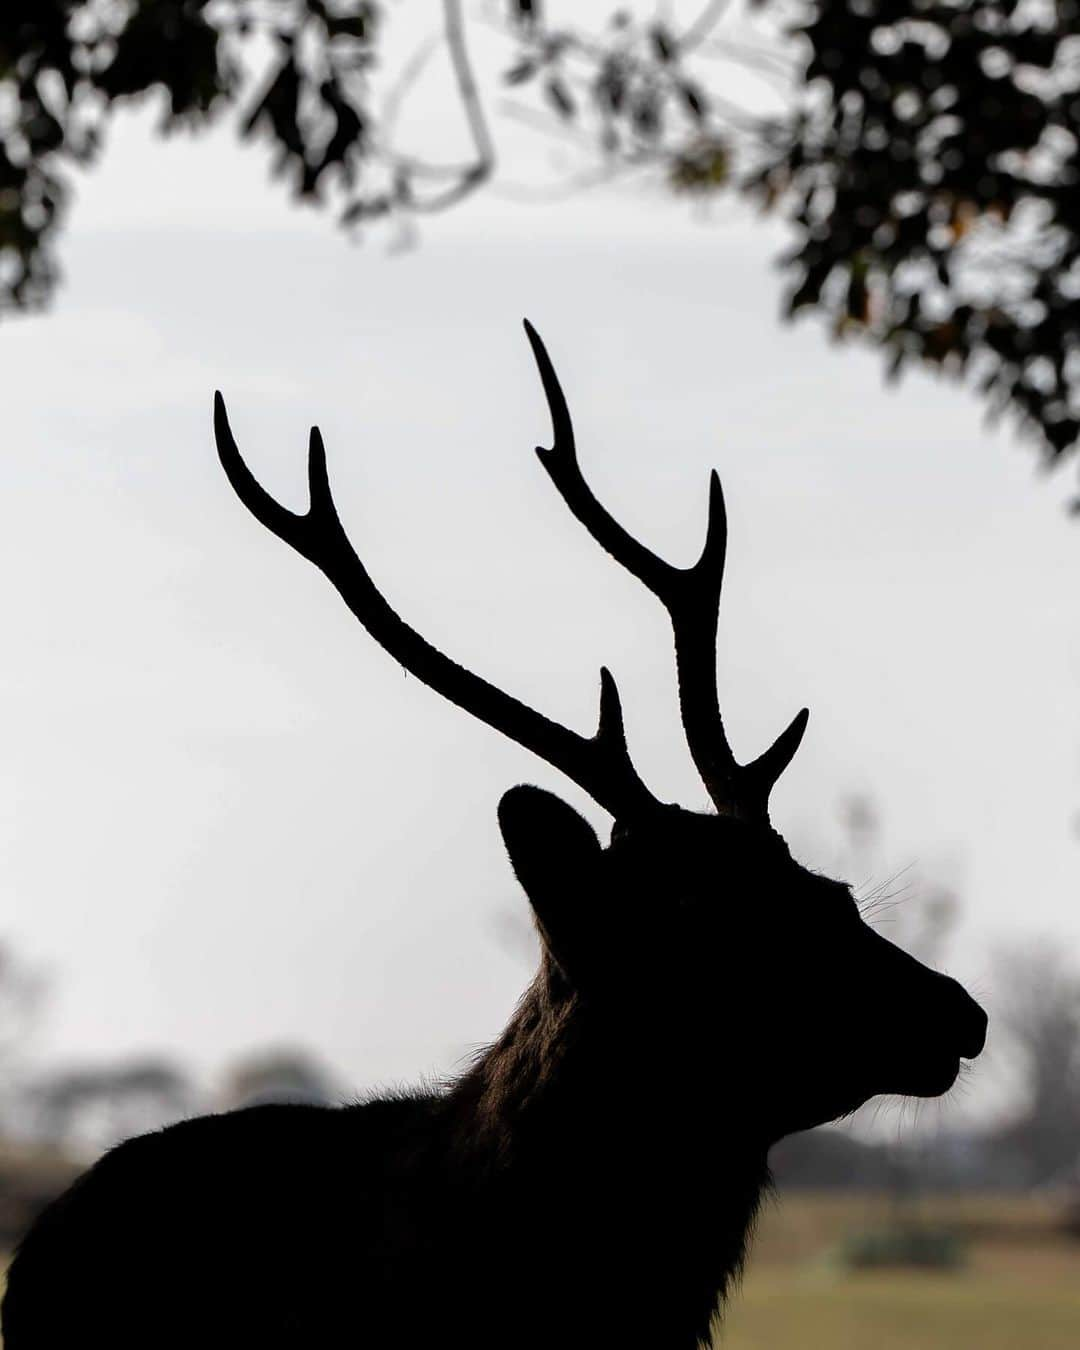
x: 929, y: 1078
x: 932, y: 1070
x: 936, y: 1081
x: 934, y: 1077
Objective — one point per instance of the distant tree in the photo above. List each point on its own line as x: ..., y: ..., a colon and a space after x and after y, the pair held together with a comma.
x: 516, y: 935
x: 1037, y: 1001
x: 925, y: 153
x: 21, y: 991
x: 918, y: 910
x: 91, y: 1107
x: 279, y: 1074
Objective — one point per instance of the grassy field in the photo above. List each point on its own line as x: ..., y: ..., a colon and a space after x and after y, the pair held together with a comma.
x: 1019, y: 1288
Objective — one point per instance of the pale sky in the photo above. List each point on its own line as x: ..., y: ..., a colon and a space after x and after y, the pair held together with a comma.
x: 230, y: 820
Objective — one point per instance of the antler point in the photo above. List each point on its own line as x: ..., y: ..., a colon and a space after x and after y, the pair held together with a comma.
x: 227, y: 449
x: 611, y: 715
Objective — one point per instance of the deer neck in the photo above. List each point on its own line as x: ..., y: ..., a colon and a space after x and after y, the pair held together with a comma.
x: 580, y: 1147
x: 577, y: 1087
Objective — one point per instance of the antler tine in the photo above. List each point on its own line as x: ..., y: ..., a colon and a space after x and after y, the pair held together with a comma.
x: 691, y: 597
x: 600, y: 764
x: 761, y: 774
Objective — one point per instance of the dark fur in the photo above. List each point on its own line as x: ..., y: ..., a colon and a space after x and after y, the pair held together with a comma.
x: 590, y: 1182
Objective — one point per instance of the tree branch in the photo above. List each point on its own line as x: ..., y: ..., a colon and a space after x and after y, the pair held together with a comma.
x: 471, y: 175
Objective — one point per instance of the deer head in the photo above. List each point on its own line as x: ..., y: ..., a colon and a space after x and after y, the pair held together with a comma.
x: 697, y: 932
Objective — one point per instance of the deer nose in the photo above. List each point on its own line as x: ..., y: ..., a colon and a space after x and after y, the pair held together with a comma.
x: 971, y: 1022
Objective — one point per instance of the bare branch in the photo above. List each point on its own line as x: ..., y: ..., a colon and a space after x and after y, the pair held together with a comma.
x: 702, y: 26
x: 473, y: 175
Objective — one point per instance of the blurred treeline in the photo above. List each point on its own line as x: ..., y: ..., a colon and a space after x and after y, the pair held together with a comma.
x: 1022, y: 1137
x: 56, y: 1119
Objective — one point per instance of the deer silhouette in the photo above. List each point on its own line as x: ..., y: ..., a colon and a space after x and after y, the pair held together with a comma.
x: 591, y: 1180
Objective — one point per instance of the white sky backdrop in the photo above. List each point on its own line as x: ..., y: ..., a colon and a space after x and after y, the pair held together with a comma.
x: 229, y: 820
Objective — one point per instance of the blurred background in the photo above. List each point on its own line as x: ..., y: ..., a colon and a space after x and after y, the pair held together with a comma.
x: 245, y: 858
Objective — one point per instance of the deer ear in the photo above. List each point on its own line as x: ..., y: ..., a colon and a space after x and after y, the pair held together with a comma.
x: 557, y: 857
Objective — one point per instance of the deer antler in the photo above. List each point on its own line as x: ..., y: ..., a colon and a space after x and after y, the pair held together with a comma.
x: 600, y: 764
x: 691, y: 597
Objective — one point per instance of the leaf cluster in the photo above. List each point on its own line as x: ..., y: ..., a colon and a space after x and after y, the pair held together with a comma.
x: 931, y: 171
x: 629, y: 82
x: 925, y: 153
x: 65, y: 64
